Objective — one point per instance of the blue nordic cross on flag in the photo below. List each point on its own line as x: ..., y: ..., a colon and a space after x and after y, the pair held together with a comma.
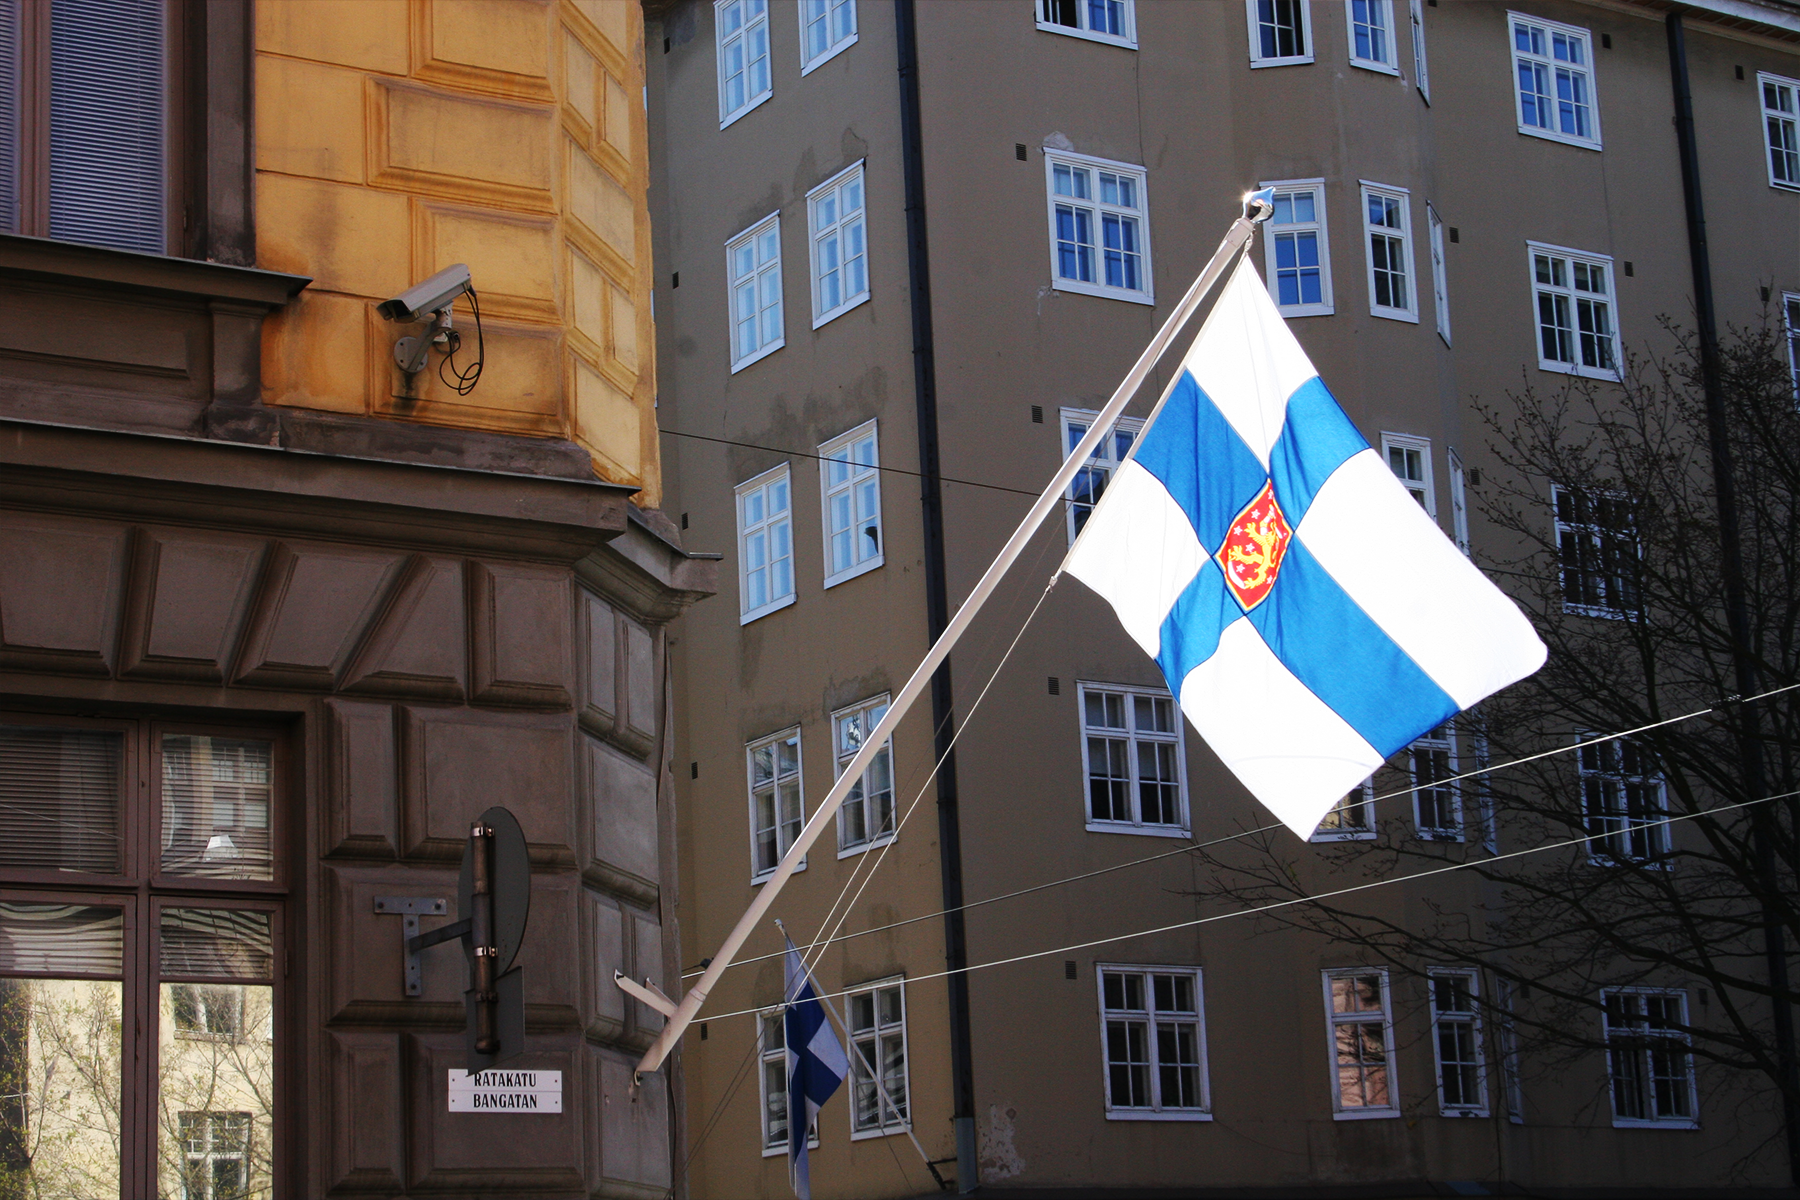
x: 816, y: 1063
x: 1310, y: 617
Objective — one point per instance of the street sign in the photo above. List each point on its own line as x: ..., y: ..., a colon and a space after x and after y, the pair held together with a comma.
x: 505, y: 1091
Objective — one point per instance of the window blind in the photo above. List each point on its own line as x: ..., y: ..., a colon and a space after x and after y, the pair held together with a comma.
x: 61, y: 939
x: 59, y: 798
x: 215, y: 807
x: 218, y: 943
x: 107, y: 116
x: 9, y: 116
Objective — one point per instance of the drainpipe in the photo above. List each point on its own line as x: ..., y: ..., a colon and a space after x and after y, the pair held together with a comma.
x: 937, y: 604
x: 1749, y: 734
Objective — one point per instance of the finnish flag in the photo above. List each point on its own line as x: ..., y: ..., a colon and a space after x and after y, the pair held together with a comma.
x: 1310, y: 618
x: 816, y: 1063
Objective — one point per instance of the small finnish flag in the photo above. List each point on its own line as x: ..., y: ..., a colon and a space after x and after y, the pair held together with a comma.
x: 816, y: 1064
x: 1309, y: 616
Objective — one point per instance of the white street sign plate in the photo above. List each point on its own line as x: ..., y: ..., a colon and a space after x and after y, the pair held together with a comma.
x: 506, y: 1091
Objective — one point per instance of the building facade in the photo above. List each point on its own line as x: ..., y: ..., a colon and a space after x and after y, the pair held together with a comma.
x: 279, y: 621
x: 909, y: 305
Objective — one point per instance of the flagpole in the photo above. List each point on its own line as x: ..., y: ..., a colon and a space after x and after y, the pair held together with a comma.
x: 1258, y: 206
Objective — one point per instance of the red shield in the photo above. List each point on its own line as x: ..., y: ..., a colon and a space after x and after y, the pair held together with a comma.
x: 1254, y: 547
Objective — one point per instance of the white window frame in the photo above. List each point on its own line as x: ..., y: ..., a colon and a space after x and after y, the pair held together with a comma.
x: 1595, y: 536
x: 1782, y: 122
x: 1604, y: 774
x: 1403, y: 233
x: 1127, y: 39
x: 761, y: 273
x: 1383, y: 9
x: 1333, y: 1019
x: 782, y: 843
x: 1511, y: 1074
x: 1550, y: 29
x: 886, y: 1127
x: 1441, y: 740
x: 1253, y: 16
x: 720, y: 42
x: 1440, y: 273
x: 871, y: 710
x: 746, y: 614
x: 829, y: 9
x: 764, y: 1058
x: 1102, y: 464
x: 1790, y: 320
x: 1099, y: 210
x: 1156, y: 1110
x: 1134, y: 738
x: 1420, y: 70
x: 840, y: 228
x: 1359, y: 805
x: 1459, y: 502
x: 1637, y: 1028
x: 1570, y: 259
x: 1471, y: 1019
x: 1326, y: 305
x: 1424, y: 489
x: 833, y: 453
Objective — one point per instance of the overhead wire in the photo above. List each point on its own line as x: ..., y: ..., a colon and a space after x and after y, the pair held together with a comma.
x: 974, y: 483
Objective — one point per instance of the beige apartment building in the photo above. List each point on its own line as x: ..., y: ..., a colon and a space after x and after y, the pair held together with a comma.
x: 903, y: 252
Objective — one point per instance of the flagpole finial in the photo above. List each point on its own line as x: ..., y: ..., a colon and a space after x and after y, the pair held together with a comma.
x: 1259, y: 206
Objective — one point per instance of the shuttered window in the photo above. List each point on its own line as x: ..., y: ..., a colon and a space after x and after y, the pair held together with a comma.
x: 59, y: 799
x: 107, y: 104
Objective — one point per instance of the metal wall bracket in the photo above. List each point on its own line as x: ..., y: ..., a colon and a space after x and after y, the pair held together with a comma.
x: 410, y: 908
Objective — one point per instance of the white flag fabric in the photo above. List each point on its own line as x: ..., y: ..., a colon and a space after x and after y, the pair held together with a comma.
x: 1310, y: 617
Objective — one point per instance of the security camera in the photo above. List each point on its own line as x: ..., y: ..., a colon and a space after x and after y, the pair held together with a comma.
x: 433, y: 295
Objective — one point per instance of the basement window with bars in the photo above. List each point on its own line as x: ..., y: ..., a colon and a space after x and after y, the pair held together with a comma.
x: 1111, y: 21
x: 1647, y: 1057
x: 1132, y: 753
x: 1153, y: 1038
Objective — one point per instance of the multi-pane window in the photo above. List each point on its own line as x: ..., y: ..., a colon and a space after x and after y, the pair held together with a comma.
x: 765, y: 512
x: 1153, y: 1032
x: 216, y: 1155
x: 1099, y: 240
x: 753, y: 268
x: 1456, y: 1043
x: 777, y: 800
x: 879, y: 1098
x: 827, y: 29
x: 1459, y: 503
x: 850, y: 487
x: 1790, y: 315
x: 1647, y: 1057
x: 840, y: 253
x: 1280, y: 32
x: 1372, y: 35
x: 1554, y: 75
x: 743, y: 42
x: 1437, y: 802
x: 1781, y: 128
x: 1352, y: 818
x: 1409, y: 458
x: 1112, y: 21
x: 1387, y: 228
x: 771, y: 1050
x: 1360, y: 1028
x: 1131, y: 751
x: 1596, y: 543
x: 1574, y: 294
x: 1296, y: 256
x: 1622, y: 802
x: 867, y: 816
x: 1090, y: 482
x: 1440, y: 274
x: 1418, y: 40
x: 1511, y: 1066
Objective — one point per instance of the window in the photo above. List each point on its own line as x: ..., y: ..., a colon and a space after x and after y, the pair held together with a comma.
x: 1351, y: 819
x: 1574, y: 312
x: 867, y: 817
x: 877, y: 1025
x: 85, y: 89
x: 1647, y: 1058
x: 765, y: 544
x: 1418, y: 36
x: 1459, y: 503
x: 1372, y: 35
x: 1111, y: 21
x: 1781, y: 129
x: 771, y: 1046
x: 1099, y: 240
x: 840, y: 256
x: 850, y: 485
x: 777, y: 799
x: 1456, y: 1043
x: 1280, y: 33
x: 1296, y: 257
x: 1090, y: 482
x: 1409, y: 458
x: 1596, y: 539
x: 744, y: 79
x: 827, y: 29
x: 158, y: 947
x: 1132, y: 753
x: 1555, y: 80
x: 1790, y: 312
x: 1387, y: 223
x: 753, y: 266
x: 1621, y: 794
x: 1440, y: 275
x: 1153, y: 1039
x: 1437, y: 802
x: 1510, y: 1072
x: 1361, y: 1040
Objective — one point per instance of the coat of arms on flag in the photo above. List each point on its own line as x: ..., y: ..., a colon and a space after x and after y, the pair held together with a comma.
x: 1309, y: 616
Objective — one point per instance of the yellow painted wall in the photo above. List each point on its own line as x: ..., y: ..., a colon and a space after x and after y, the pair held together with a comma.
x: 395, y: 137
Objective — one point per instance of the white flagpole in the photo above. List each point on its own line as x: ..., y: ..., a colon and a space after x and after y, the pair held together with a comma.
x: 1257, y: 207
